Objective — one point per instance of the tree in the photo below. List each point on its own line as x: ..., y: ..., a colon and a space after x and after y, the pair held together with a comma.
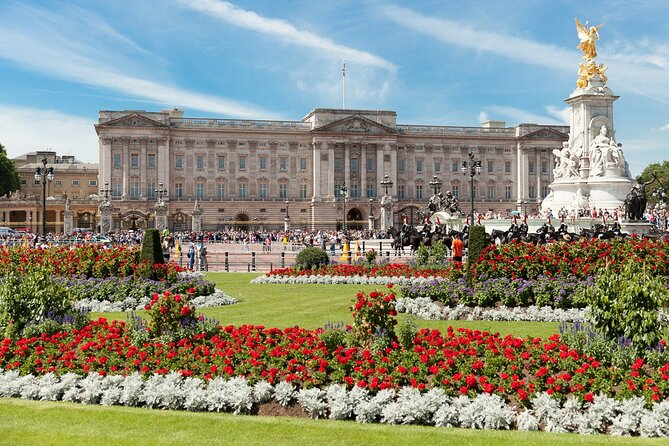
x: 9, y: 177
x: 661, y: 172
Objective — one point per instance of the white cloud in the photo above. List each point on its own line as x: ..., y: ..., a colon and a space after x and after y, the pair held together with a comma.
x: 465, y: 36
x: 642, y: 69
x: 63, y: 133
x: 46, y: 49
x: 563, y: 115
x: 665, y: 127
x: 483, y: 116
x: 285, y: 31
x: 515, y: 116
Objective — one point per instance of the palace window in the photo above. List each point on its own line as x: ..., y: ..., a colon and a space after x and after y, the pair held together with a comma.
x: 532, y: 193
x: 354, y: 164
x: 337, y: 164
x: 354, y: 191
x: 151, y: 190
x: 134, y: 160
x: 437, y: 167
x: 151, y: 161
x: 117, y: 189
x: 455, y: 166
x: 455, y: 190
x: 400, y: 165
x: 242, y: 162
x: 199, y: 190
x: 283, y: 191
x: 263, y: 190
x: 401, y: 191
x: 544, y: 191
x: 242, y: 190
x: 507, y: 166
x: 117, y: 160
x: 370, y: 191
x: 491, y: 166
x: 370, y: 164
x: 221, y: 162
x: 419, y: 165
x: 544, y: 167
x: 303, y: 191
x: 303, y: 164
x: 178, y: 162
x: 199, y: 160
x: 507, y: 193
x: 178, y: 190
x: 491, y: 192
x: 283, y: 163
x: 221, y: 190
x: 530, y: 167
x: 419, y: 191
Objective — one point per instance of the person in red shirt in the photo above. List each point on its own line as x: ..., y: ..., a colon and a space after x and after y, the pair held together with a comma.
x: 457, y: 246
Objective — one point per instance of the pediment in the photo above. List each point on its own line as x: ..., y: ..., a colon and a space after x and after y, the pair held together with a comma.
x: 547, y: 133
x: 356, y: 124
x: 133, y: 120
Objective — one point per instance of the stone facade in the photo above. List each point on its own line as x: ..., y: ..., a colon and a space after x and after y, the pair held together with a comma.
x: 242, y: 172
x: 73, y: 180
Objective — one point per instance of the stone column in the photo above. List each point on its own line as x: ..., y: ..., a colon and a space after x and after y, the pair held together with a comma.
x: 392, y: 148
x: 380, y: 169
x: 363, y: 170
x: 347, y: 166
x: 317, y: 170
x: 331, y: 180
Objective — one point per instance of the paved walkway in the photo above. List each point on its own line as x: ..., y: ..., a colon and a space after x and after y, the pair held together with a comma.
x: 241, y: 258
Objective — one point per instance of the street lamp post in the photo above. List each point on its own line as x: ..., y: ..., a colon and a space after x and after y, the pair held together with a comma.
x: 161, y: 191
x: 471, y: 167
x: 105, y: 191
x: 343, y: 190
x: 44, y: 174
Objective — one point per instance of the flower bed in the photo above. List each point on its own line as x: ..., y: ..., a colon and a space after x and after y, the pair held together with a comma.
x: 390, y: 270
x: 406, y: 406
x: 425, y: 308
x: 461, y: 362
x: 82, y: 261
x: 581, y: 259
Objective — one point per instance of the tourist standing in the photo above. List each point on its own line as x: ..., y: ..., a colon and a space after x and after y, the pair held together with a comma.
x: 457, y: 246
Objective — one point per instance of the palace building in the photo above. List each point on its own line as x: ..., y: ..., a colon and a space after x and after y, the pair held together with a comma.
x: 256, y: 173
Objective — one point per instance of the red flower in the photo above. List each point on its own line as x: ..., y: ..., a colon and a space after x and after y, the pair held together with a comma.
x: 185, y: 310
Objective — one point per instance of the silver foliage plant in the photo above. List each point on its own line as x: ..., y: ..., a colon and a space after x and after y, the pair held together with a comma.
x: 603, y: 415
x: 217, y: 299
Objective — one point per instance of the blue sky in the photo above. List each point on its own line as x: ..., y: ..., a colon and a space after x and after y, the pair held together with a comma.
x: 442, y: 62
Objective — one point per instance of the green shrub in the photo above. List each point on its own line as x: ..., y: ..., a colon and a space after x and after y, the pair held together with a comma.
x: 476, y: 243
x: 406, y: 332
x: 311, y: 258
x: 26, y: 297
x: 626, y: 304
x: 431, y: 256
x: 333, y: 338
x: 152, y: 251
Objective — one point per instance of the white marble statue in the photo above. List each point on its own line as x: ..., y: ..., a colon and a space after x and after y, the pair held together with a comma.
x: 605, y: 154
x: 566, y: 162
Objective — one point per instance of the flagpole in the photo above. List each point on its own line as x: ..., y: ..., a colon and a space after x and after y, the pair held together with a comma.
x: 343, y: 78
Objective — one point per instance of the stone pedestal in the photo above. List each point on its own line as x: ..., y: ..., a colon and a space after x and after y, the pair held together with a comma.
x: 196, y: 218
x: 161, y: 215
x: 601, y: 183
x: 68, y: 218
x: 106, y: 219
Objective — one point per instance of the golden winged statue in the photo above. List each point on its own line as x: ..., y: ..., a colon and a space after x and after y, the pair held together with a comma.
x: 588, y: 37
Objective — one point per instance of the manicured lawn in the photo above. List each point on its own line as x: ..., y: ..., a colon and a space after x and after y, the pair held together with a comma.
x: 46, y: 423
x: 313, y: 306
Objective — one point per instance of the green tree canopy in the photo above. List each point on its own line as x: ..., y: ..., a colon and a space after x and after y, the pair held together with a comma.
x: 661, y: 172
x: 9, y: 177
